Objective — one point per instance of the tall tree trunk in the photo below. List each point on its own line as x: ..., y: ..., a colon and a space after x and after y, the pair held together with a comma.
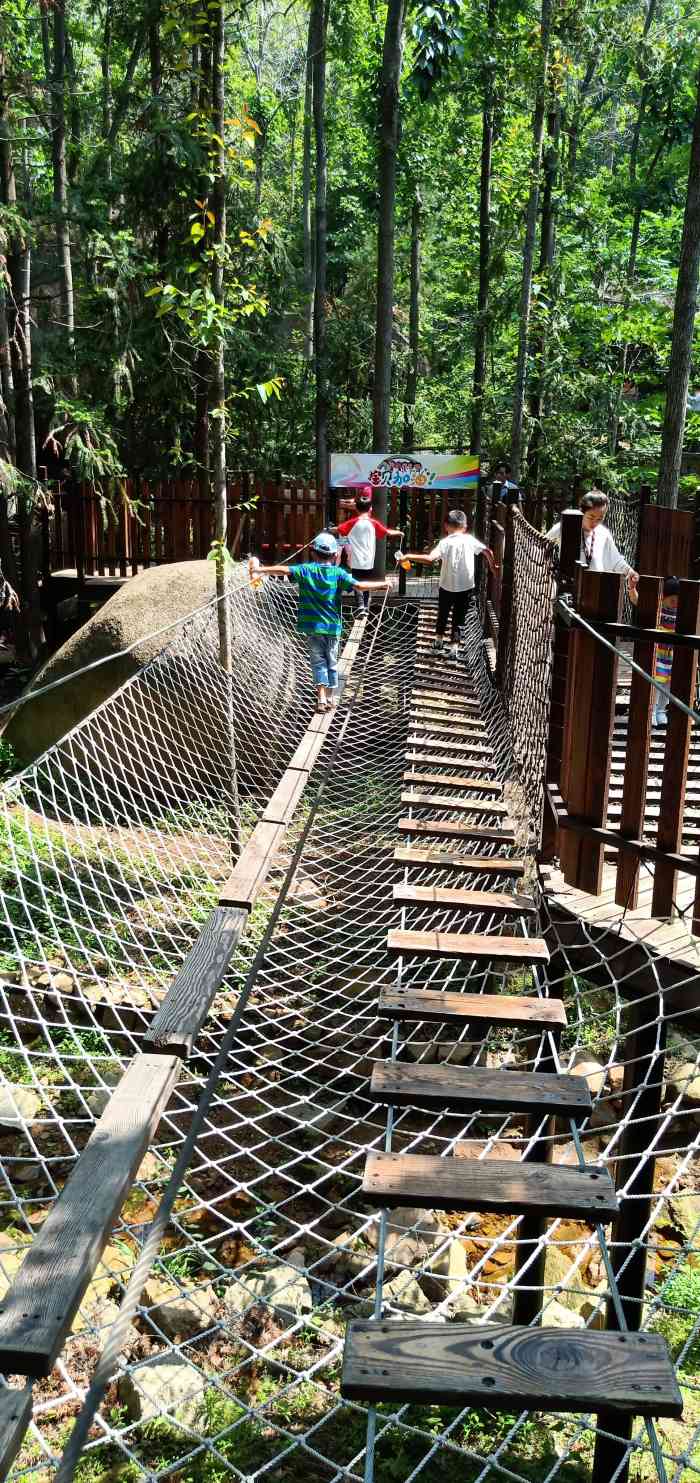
x: 8, y: 446
x: 306, y: 199
x: 57, y: 83
x: 631, y: 269
x: 683, y: 326
x: 392, y: 55
x: 574, y: 127
x: 106, y: 70
x: 517, y: 427
x: 540, y: 338
x: 217, y: 202
x: 319, y: 112
x: 409, y: 430
x: 482, y: 306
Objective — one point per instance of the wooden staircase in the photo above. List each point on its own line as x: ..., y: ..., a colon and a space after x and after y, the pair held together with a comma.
x: 502, y: 1366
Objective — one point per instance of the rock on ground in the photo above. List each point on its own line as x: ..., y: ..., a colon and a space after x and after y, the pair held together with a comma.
x: 283, y: 1288
x: 180, y: 1315
x: 164, y: 1384
x: 145, y: 603
x: 18, y: 1105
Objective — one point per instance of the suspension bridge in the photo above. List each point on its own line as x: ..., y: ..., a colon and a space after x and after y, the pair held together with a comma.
x: 334, y: 1142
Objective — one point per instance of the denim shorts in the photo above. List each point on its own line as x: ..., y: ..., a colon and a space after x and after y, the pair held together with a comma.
x: 323, y: 652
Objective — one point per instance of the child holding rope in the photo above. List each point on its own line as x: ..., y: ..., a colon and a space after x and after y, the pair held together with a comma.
x: 321, y: 585
x: 456, y: 553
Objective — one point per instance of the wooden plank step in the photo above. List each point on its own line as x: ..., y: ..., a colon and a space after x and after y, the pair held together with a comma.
x: 443, y: 759
x: 179, y: 1019
x: 440, y: 698
x: 444, y: 860
x: 489, y: 1184
x: 495, y: 903
x: 423, y: 736
x: 422, y: 719
x: 507, y: 1368
x: 449, y: 829
x: 486, y: 947
x: 438, y: 800
x: 15, y: 1416
x: 37, y: 1312
x: 466, y: 780
x: 476, y: 1088
x: 434, y: 1006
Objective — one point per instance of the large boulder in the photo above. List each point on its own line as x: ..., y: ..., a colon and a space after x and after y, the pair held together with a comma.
x: 144, y: 604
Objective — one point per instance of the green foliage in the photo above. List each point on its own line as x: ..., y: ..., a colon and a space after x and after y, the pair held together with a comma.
x: 680, y: 1321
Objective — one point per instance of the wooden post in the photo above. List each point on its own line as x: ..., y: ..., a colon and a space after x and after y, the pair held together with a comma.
x: 634, y: 790
x: 695, y: 568
x: 506, y: 605
x: 675, y: 769
x: 588, y: 730
x: 480, y: 517
x: 645, y: 1049
x: 569, y: 553
x: 527, y: 1300
x: 645, y: 494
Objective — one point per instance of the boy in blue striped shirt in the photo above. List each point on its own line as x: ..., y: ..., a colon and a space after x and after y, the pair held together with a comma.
x: 321, y: 586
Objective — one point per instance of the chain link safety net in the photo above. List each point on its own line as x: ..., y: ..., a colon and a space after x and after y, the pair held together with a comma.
x: 244, y: 1267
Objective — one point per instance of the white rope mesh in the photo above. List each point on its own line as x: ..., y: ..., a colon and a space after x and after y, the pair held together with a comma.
x: 115, y: 845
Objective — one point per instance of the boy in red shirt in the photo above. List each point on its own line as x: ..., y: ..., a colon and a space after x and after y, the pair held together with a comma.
x: 359, y: 535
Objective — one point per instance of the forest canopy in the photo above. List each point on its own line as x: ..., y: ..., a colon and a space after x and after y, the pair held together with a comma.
x: 523, y: 170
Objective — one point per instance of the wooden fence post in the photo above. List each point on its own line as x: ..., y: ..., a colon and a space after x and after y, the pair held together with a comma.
x: 480, y: 516
x: 696, y: 534
x: 645, y: 495
x: 645, y: 1050
x: 506, y: 605
x: 569, y: 553
x: 588, y: 730
x: 634, y: 790
x: 676, y: 751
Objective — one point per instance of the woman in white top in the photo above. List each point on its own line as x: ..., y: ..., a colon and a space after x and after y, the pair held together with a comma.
x: 598, y: 549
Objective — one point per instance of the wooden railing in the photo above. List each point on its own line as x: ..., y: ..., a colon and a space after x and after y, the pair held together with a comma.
x: 579, y: 767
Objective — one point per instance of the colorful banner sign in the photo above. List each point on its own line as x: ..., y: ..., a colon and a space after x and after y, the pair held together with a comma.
x: 405, y: 470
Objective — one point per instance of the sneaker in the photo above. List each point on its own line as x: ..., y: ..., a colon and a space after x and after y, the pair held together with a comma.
x: 454, y: 651
x: 360, y: 615
x: 438, y: 644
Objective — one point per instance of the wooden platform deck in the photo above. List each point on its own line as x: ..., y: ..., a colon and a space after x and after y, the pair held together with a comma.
x: 669, y: 939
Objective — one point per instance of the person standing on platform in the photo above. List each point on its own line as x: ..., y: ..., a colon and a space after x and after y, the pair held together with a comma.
x: 598, y: 550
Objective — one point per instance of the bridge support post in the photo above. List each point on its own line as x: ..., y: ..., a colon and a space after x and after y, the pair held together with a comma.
x: 645, y: 1050
x: 588, y: 725
x: 506, y: 607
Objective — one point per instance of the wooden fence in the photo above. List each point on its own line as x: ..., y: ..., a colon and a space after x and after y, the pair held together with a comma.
x: 137, y: 523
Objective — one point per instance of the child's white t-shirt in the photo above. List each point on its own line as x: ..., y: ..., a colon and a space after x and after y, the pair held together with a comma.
x: 362, y: 543
x: 457, y: 553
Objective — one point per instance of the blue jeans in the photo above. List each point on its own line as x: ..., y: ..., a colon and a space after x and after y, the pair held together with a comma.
x: 323, y: 653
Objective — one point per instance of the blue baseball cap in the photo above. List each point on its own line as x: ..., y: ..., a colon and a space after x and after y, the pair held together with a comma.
x: 324, y: 541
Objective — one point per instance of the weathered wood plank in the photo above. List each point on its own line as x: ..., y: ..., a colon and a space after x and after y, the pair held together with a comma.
x: 488, y: 947
x: 175, y: 1027
x: 447, y: 829
x: 286, y: 796
x: 424, y: 720
x: 250, y: 872
x: 494, y: 903
x: 421, y: 737
x: 509, y: 1368
x: 433, y: 1006
x: 37, y: 1312
x: 15, y: 1416
x: 465, y: 780
x: 444, y: 860
x: 429, y: 1183
x: 444, y: 759
x: 590, y: 710
x: 439, y: 800
x: 463, y: 1088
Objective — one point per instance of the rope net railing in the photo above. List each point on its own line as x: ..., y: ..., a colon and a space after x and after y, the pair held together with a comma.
x: 114, y: 847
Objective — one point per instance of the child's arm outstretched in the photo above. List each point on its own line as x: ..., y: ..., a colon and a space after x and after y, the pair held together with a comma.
x: 373, y: 586
x: 417, y: 557
x: 256, y: 570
